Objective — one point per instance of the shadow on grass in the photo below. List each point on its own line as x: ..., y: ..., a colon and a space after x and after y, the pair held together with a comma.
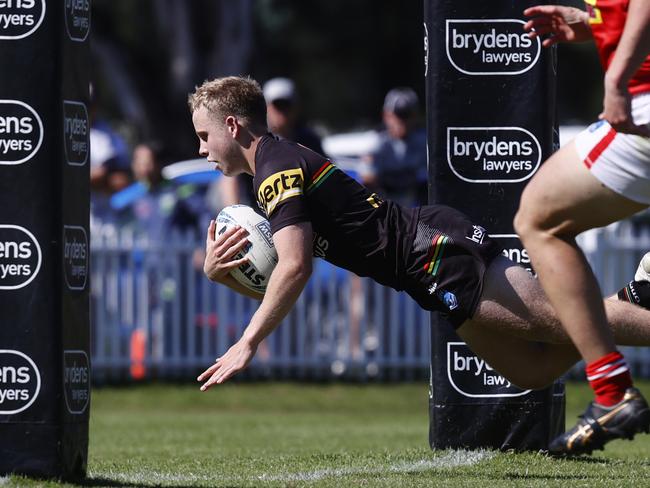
x: 610, y: 461
x: 107, y: 482
x: 99, y: 481
x: 516, y: 476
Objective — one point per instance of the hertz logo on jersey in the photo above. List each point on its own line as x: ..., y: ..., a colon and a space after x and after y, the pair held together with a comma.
x: 595, y: 17
x: 279, y: 187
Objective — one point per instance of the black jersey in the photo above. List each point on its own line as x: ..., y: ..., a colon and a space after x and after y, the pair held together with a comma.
x: 353, y: 228
x: 431, y: 252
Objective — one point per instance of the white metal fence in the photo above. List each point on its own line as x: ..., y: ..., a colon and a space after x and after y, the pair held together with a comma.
x: 154, y: 314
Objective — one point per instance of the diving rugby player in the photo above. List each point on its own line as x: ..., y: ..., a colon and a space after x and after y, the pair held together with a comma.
x: 431, y: 252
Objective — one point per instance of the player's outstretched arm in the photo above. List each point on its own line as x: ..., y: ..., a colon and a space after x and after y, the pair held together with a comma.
x: 560, y: 23
x: 219, y: 254
x: 632, y: 49
x: 294, y: 247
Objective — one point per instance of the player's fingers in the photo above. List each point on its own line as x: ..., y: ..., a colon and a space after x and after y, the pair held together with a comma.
x: 210, y: 236
x: 541, y: 30
x: 230, y: 265
x: 226, y: 234
x: 212, y: 378
x: 541, y: 10
x: 533, y: 34
x: 225, y: 375
x: 234, y: 249
x: 631, y: 128
x: 643, y: 130
x: 549, y: 41
x: 208, y: 372
x: 619, y: 122
x: 219, y: 376
x: 205, y: 386
x: 538, y: 23
x: 231, y: 241
x: 204, y: 375
x: 529, y: 12
x: 222, y: 238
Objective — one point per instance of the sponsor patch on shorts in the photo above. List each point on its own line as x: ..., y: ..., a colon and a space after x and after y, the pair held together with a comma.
x: 449, y: 299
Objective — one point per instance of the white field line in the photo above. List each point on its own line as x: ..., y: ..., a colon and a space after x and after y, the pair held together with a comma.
x: 451, y: 459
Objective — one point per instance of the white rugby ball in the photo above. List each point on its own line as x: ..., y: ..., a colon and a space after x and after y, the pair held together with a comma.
x: 260, y: 250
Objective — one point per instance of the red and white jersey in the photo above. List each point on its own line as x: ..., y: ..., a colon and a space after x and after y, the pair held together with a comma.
x: 607, y: 19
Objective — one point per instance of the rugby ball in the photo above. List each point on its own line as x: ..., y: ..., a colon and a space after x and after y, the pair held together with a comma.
x: 260, y: 250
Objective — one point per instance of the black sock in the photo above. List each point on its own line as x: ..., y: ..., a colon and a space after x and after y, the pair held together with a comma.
x: 636, y: 292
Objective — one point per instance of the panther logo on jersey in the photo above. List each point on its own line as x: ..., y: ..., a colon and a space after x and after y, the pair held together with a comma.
x: 278, y: 188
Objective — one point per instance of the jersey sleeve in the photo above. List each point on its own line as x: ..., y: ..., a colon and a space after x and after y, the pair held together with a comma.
x: 279, y: 190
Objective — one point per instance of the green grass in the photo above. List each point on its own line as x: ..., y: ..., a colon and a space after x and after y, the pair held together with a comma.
x: 277, y: 434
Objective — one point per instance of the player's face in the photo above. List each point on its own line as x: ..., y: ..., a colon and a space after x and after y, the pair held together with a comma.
x: 217, y: 144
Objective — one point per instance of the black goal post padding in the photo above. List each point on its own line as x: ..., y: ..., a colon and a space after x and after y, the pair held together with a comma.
x: 44, y: 237
x: 491, y: 123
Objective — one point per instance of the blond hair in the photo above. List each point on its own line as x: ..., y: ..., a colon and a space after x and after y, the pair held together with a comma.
x: 233, y: 95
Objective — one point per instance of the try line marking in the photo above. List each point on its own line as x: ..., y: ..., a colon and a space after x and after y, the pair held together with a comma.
x: 451, y: 459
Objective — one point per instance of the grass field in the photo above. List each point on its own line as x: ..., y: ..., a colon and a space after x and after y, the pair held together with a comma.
x: 279, y: 434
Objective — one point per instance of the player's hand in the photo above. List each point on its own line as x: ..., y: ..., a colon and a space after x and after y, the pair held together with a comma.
x: 220, y: 252
x: 617, y: 110
x: 231, y: 363
x: 561, y: 24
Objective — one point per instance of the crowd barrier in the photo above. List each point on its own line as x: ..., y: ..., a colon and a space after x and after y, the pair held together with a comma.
x: 155, y: 316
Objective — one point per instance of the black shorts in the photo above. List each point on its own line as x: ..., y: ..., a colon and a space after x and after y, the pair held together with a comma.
x: 447, y: 263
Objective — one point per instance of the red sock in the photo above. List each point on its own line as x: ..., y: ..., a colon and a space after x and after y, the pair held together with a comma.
x: 609, y: 377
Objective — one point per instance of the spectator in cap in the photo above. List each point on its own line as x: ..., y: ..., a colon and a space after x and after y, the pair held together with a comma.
x: 283, y: 114
x: 398, y: 166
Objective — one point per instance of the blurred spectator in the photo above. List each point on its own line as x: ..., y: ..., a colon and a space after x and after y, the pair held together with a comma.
x: 109, y: 164
x: 109, y: 159
x: 154, y: 205
x: 283, y: 114
x: 398, y: 167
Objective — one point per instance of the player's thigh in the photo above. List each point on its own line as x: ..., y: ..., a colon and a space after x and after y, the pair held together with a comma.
x: 527, y: 364
x: 564, y: 197
x: 513, y: 302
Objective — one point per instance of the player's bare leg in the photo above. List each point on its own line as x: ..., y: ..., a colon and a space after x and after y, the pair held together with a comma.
x: 514, y: 303
x: 525, y: 363
x: 516, y: 331
x: 561, y: 201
